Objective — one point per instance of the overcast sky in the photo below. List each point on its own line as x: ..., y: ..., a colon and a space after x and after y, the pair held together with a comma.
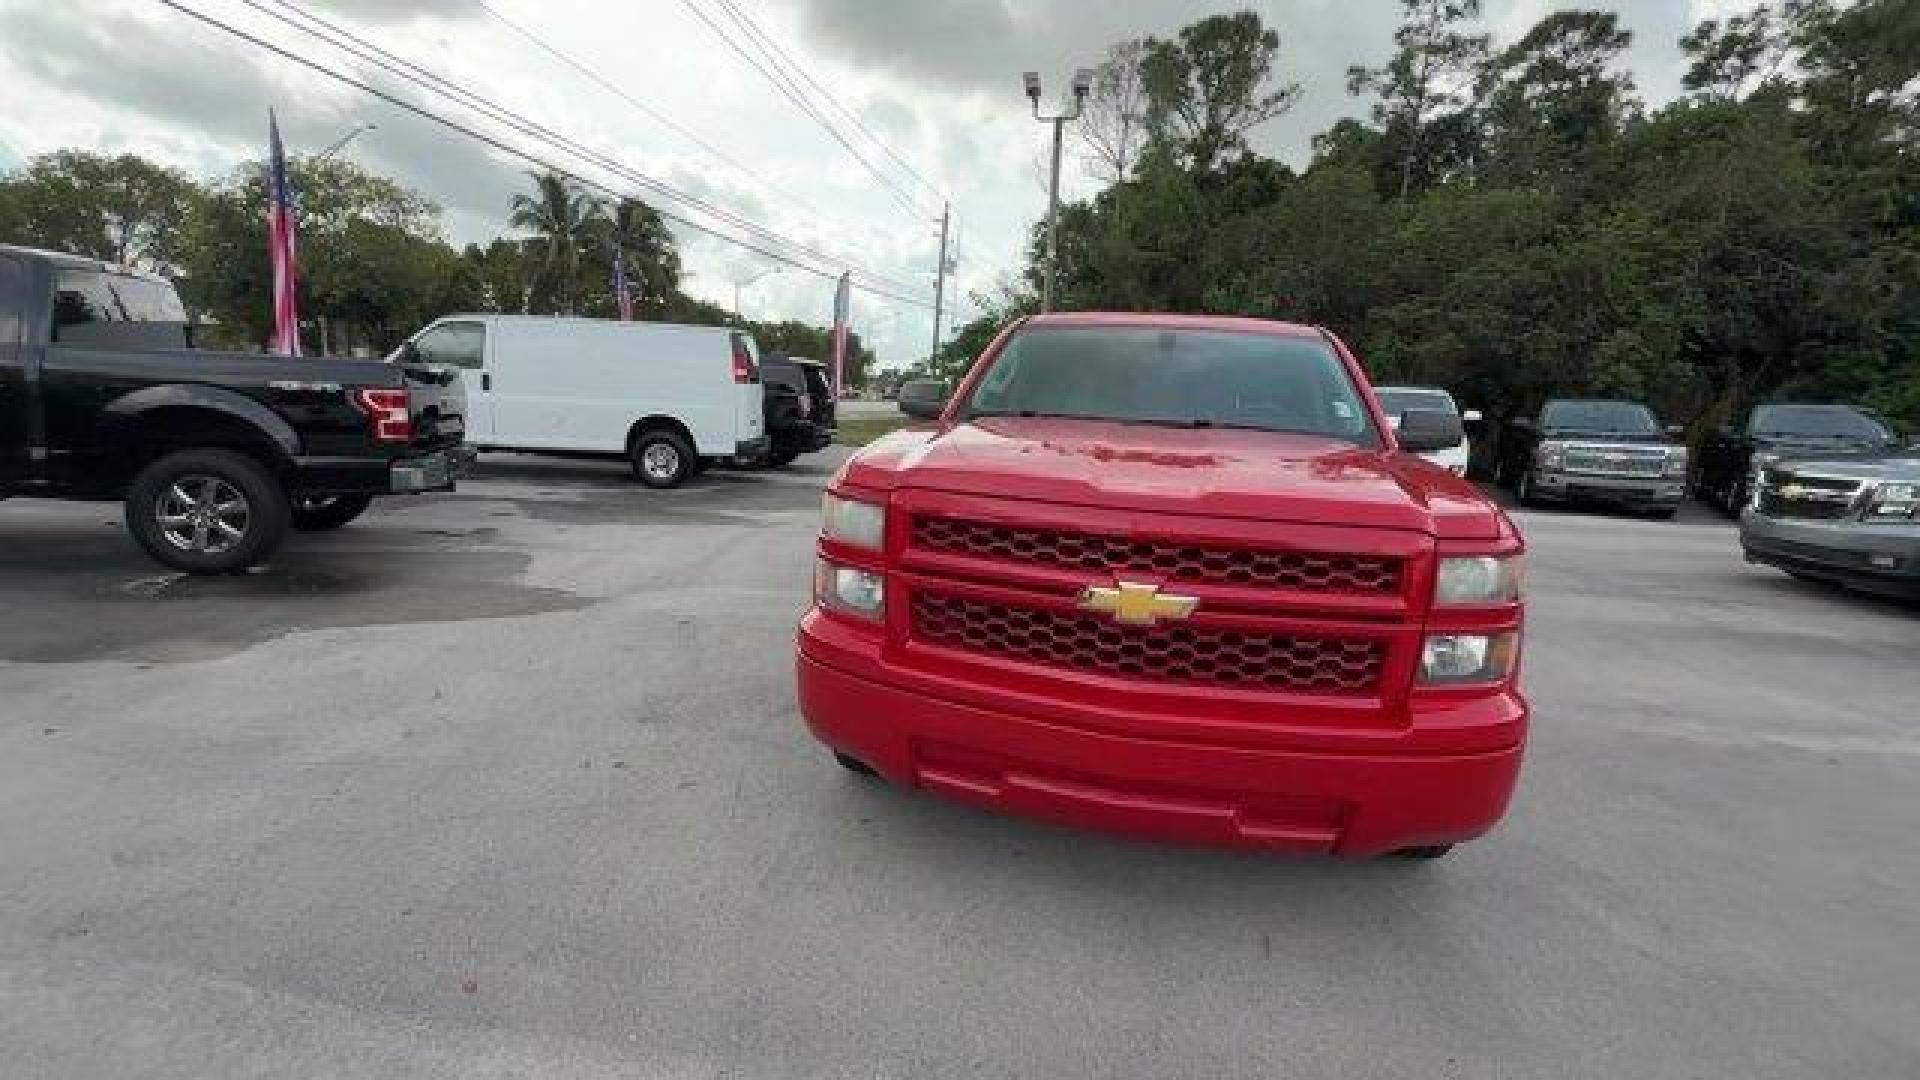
x: 938, y: 81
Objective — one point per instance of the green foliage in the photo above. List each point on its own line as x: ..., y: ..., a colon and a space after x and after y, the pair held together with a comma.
x: 1211, y: 85
x: 1534, y: 230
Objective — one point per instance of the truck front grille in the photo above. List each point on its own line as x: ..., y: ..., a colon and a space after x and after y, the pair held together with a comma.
x: 1807, y: 498
x: 1616, y: 461
x: 1304, y: 571
x: 1168, y: 653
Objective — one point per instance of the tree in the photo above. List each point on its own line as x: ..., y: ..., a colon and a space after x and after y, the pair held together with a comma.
x: 121, y: 209
x: 561, y: 216
x: 1551, y: 99
x: 648, y: 251
x: 1732, y: 59
x: 1210, y: 86
x: 1112, y: 124
x: 1430, y: 73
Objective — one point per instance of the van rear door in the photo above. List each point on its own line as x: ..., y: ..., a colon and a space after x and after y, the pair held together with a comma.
x: 749, y: 398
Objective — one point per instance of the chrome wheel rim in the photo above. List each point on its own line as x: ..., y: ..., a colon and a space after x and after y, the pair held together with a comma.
x: 203, y: 514
x: 661, y: 461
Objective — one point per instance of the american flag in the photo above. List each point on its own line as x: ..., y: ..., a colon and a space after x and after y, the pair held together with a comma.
x: 281, y: 247
x: 842, y: 300
x: 622, y: 288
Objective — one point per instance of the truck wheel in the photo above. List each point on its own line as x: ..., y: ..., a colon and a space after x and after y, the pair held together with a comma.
x: 1523, y: 490
x: 321, y: 513
x: 207, y: 511
x: 1424, y: 853
x: 782, y: 457
x: 1737, y: 496
x: 661, y: 458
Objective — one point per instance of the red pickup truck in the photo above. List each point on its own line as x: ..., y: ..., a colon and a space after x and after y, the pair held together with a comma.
x: 1175, y: 577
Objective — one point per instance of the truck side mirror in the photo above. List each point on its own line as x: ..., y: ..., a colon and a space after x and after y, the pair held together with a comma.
x: 923, y: 399
x: 1423, y: 431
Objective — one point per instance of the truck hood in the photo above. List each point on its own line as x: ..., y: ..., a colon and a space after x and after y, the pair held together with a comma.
x: 1900, y: 467
x: 1800, y: 446
x: 1262, y: 475
x: 1623, y: 438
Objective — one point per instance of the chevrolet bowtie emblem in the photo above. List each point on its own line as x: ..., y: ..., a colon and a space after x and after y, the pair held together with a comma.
x: 1136, y: 604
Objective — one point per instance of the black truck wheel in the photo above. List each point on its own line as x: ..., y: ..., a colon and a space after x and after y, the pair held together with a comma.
x: 661, y: 458
x: 782, y: 456
x: 322, y: 513
x: 207, y: 511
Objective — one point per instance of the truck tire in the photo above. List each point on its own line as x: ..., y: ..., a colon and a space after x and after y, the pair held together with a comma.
x: 782, y: 456
x: 1523, y: 490
x: 1424, y: 853
x: 323, y: 513
x: 661, y: 458
x: 207, y: 512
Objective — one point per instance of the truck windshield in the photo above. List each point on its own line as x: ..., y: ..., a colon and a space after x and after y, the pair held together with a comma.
x: 1175, y: 377
x: 1816, y: 422
x: 1618, y: 417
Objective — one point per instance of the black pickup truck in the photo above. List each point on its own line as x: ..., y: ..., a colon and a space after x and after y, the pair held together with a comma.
x: 1586, y: 450
x: 216, y: 455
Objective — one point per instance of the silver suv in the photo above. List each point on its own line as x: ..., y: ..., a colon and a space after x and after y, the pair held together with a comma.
x: 1854, y: 521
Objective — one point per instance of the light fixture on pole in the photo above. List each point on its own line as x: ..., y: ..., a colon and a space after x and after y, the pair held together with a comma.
x: 1082, y: 86
x: 340, y: 143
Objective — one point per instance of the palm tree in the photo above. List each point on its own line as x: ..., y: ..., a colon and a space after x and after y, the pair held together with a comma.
x: 648, y: 250
x: 561, y: 216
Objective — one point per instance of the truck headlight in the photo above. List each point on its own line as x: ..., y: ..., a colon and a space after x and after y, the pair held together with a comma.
x: 1676, y: 464
x: 1551, y: 455
x: 852, y: 522
x: 849, y: 589
x: 1454, y: 659
x: 1478, y: 579
x: 1895, y: 502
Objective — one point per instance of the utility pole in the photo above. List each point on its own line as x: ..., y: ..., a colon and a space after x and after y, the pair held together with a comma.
x: 939, y: 282
x: 1082, y: 85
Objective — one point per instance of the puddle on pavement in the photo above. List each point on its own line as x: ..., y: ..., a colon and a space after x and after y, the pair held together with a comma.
x: 171, y: 618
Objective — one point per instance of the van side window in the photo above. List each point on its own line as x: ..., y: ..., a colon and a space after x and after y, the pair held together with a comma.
x: 458, y: 344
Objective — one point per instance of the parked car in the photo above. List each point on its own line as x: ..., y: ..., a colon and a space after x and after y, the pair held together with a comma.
x: 800, y: 408
x: 1852, y: 521
x: 666, y: 398
x: 1174, y: 576
x: 1778, y: 430
x: 1602, y: 451
x: 1395, y: 401
x: 216, y: 455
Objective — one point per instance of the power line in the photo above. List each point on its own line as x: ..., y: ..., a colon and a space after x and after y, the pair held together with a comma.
x: 514, y: 151
x: 363, y: 50
x: 851, y: 116
x: 654, y: 114
x: 792, y: 92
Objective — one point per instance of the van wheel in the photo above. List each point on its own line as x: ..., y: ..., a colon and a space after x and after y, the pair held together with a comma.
x: 207, y: 511
x: 321, y: 513
x: 661, y: 458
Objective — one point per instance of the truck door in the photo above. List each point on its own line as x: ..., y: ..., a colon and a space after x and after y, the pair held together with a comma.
x: 463, y: 345
x: 15, y: 405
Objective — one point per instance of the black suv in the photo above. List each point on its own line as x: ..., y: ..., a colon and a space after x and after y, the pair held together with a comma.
x: 1782, y: 429
x: 215, y: 454
x: 1588, y: 450
x: 799, y: 407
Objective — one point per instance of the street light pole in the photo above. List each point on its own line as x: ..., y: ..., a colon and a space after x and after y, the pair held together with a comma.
x: 1082, y: 84
x: 940, y: 281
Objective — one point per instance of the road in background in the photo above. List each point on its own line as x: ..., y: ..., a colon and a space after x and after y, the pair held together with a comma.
x: 510, y: 783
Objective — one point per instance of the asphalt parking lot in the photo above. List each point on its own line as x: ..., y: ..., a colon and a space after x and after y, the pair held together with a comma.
x: 510, y: 783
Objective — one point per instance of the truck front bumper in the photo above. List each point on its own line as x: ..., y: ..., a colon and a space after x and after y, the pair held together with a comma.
x: 436, y: 471
x: 1305, y: 801
x: 1874, y: 558
x: 1621, y: 490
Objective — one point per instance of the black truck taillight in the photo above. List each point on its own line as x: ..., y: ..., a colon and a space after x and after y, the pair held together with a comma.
x: 389, y: 412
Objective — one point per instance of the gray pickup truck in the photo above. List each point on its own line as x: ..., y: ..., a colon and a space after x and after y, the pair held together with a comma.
x: 1852, y: 520
x: 216, y: 455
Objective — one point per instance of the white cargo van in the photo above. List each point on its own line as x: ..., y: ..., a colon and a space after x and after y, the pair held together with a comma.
x: 665, y: 397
